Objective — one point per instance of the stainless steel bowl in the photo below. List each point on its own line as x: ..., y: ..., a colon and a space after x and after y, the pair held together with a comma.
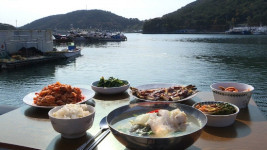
x: 140, y: 142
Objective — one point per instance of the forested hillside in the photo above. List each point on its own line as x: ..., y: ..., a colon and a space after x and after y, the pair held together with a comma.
x: 210, y: 16
x: 86, y: 19
x: 6, y: 27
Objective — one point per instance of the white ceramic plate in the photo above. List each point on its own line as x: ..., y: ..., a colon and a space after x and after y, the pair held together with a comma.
x: 160, y: 85
x: 109, y: 90
x: 28, y: 99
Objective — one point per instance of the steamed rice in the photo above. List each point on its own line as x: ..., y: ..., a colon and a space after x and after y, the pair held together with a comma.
x: 72, y: 111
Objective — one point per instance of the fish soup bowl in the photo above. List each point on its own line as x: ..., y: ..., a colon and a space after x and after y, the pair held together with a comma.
x: 238, y: 94
x: 110, y: 90
x: 72, y: 120
x: 219, y: 114
x: 120, y: 124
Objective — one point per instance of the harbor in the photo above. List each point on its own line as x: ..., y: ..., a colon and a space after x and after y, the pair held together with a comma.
x: 85, y: 35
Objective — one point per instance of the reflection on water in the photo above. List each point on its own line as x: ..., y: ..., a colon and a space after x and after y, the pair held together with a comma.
x: 174, y: 58
x: 16, y: 83
x: 234, y: 39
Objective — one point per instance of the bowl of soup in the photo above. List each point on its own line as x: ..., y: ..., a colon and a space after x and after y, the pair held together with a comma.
x: 156, y: 125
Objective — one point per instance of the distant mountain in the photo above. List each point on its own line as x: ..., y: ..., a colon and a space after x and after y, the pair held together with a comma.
x: 85, y: 19
x: 210, y: 16
x: 4, y: 26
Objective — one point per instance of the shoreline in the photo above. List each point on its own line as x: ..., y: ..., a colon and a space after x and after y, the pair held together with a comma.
x: 187, y: 33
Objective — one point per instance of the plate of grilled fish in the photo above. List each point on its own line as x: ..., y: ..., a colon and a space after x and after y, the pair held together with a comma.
x: 167, y: 92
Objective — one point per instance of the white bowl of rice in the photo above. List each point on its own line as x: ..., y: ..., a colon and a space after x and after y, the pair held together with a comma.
x: 72, y: 120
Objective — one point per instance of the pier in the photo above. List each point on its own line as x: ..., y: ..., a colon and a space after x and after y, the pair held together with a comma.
x: 28, y: 61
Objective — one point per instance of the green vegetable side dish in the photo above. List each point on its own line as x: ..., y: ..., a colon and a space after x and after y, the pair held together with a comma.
x: 111, y: 82
x: 225, y: 109
x: 217, y: 109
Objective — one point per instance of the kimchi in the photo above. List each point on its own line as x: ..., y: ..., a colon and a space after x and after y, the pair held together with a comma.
x: 58, y: 94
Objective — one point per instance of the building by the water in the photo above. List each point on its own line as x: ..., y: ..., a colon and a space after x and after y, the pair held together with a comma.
x: 13, y: 40
x: 24, y: 47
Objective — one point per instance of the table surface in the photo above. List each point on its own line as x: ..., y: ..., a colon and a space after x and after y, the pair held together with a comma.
x: 30, y: 128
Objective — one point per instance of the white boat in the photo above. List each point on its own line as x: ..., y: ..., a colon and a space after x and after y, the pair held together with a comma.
x: 71, y: 51
x: 65, y: 53
x: 248, y: 30
x: 259, y: 30
x: 239, y: 30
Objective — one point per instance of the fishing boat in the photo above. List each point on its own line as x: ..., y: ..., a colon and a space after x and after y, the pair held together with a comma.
x: 61, y: 38
x: 259, y: 30
x: 116, y: 37
x: 65, y: 53
x: 81, y: 35
x: 104, y: 36
x: 239, y: 30
x: 71, y: 51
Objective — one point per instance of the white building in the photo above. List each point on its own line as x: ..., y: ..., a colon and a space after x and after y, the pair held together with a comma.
x: 13, y: 40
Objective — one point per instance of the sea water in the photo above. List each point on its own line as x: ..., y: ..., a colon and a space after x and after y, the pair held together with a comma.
x: 192, y: 125
x: 198, y: 59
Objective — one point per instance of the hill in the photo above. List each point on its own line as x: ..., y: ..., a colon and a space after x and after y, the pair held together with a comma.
x: 210, y: 16
x: 85, y: 19
x: 6, y: 27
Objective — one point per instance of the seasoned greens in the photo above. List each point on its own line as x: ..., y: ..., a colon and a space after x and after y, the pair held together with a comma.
x: 216, y: 109
x: 111, y: 82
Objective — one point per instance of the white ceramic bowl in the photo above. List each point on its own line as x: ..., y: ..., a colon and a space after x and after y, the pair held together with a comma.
x: 72, y: 128
x: 110, y: 90
x: 220, y: 120
x: 240, y: 99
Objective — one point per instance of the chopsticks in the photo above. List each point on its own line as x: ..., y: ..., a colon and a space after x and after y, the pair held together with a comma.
x: 86, y: 143
x: 95, y: 143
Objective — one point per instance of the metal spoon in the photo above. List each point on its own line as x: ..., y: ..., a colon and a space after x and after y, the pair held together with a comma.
x: 103, y: 127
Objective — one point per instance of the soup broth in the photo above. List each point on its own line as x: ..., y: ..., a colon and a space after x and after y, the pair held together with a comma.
x: 124, y: 125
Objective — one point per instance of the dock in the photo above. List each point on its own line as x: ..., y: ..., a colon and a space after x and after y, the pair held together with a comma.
x: 28, y: 61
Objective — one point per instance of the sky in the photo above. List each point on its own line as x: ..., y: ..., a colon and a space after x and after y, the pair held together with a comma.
x: 21, y: 12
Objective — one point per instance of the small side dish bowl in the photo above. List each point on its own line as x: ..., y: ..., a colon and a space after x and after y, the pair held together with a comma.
x: 219, y: 120
x: 240, y: 98
x: 110, y: 90
x: 72, y: 128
